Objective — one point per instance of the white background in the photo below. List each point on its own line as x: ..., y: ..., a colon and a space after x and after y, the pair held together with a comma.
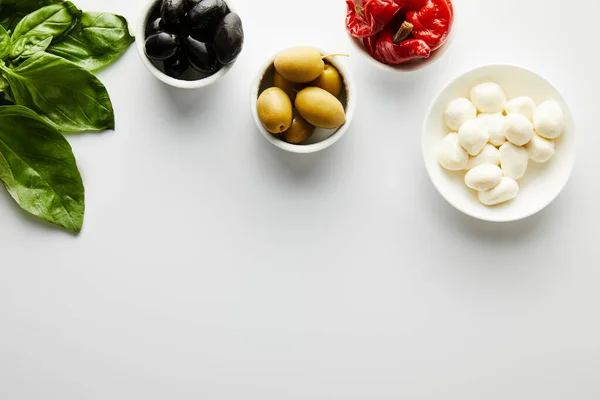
x: 213, y: 265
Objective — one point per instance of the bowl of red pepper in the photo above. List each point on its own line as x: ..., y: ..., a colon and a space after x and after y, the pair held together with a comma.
x: 400, y: 35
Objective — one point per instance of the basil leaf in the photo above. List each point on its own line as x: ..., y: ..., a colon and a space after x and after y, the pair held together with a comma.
x: 5, y: 100
x: 62, y: 93
x: 3, y: 84
x: 29, y: 45
x: 96, y: 41
x: 41, y: 25
x: 12, y: 11
x: 4, y: 43
x: 39, y: 170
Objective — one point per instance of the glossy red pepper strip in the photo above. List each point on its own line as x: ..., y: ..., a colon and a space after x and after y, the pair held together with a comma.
x: 369, y: 18
x: 432, y: 22
x: 409, y: 5
x: 385, y: 49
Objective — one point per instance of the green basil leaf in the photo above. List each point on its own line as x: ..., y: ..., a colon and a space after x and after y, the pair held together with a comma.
x: 12, y: 11
x: 3, y: 84
x: 4, y: 43
x: 5, y: 100
x: 47, y: 22
x: 62, y: 93
x: 96, y: 41
x: 29, y: 45
x: 39, y: 170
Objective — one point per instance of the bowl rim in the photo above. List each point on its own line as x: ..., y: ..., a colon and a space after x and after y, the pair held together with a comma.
x: 569, y: 166
x: 305, y: 148
x: 158, y: 74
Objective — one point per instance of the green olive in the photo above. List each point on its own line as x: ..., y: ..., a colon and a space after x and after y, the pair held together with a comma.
x: 320, y: 108
x: 299, y: 131
x: 274, y: 109
x: 291, y: 89
x: 330, y: 80
x: 300, y: 64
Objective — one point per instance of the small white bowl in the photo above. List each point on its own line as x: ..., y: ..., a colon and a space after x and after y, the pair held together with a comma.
x: 322, y: 138
x: 542, y: 182
x: 411, y: 66
x: 140, y: 34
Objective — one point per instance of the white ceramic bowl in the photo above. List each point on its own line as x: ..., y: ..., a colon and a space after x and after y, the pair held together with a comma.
x: 322, y: 138
x: 409, y: 66
x: 542, y: 182
x: 140, y: 33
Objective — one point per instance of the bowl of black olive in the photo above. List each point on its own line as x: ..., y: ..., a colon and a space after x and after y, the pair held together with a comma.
x: 189, y: 44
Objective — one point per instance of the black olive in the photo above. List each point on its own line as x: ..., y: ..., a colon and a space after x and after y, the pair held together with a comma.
x: 173, y: 11
x: 192, y: 3
x: 202, y: 35
x: 183, y: 28
x: 154, y: 26
x: 207, y: 14
x: 201, y: 56
x: 176, y: 65
x: 229, y: 38
x: 161, y: 45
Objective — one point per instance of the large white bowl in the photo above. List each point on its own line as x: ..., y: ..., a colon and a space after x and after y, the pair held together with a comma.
x: 542, y: 183
x: 322, y: 138
x: 140, y: 33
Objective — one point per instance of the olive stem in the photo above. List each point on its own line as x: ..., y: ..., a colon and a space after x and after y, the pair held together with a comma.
x: 335, y: 55
x: 405, y: 30
x: 359, y: 10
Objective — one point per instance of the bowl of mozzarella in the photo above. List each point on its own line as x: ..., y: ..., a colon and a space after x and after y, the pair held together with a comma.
x: 499, y: 143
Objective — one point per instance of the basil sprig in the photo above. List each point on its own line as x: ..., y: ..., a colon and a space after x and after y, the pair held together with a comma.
x: 47, y: 50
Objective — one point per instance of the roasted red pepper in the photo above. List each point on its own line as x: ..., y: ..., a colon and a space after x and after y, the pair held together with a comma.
x: 409, y: 5
x: 371, y: 16
x: 425, y: 28
x: 392, y: 47
x: 432, y: 22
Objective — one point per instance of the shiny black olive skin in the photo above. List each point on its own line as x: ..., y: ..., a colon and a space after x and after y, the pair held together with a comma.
x: 192, y: 4
x: 201, y: 56
x: 173, y: 12
x: 229, y: 38
x: 161, y: 45
x: 202, y: 35
x: 154, y: 26
x: 176, y: 65
x: 207, y: 14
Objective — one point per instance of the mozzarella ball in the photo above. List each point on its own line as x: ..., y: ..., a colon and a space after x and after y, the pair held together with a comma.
x: 540, y: 150
x: 483, y: 177
x: 488, y: 98
x: 507, y: 190
x: 513, y: 160
x: 549, y: 120
x: 523, y: 105
x: 489, y: 155
x: 496, y: 127
x: 458, y: 112
x: 473, y: 136
x: 450, y: 155
x: 519, y: 130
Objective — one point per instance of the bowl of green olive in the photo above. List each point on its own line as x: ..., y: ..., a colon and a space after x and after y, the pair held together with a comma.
x: 303, y: 99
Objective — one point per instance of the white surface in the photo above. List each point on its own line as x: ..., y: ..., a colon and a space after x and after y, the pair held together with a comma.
x: 321, y: 138
x: 213, y: 265
x: 542, y: 182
